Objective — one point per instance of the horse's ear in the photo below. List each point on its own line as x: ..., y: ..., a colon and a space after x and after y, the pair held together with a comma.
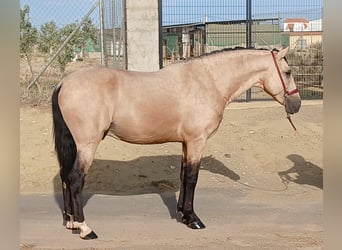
x: 281, y: 54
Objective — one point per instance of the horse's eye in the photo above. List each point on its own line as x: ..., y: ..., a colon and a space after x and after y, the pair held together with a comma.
x: 288, y: 73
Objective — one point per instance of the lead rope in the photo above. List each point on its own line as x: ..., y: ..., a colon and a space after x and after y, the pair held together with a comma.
x: 266, y: 189
x: 289, y: 118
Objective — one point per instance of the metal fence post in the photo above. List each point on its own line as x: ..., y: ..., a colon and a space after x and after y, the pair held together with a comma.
x: 248, y: 37
x: 103, y: 53
x: 160, y: 34
x: 114, y: 33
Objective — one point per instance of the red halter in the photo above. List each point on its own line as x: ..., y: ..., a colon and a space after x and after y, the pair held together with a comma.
x: 286, y: 92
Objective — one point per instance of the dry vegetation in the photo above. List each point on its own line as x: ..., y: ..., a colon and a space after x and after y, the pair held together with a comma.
x: 307, y: 68
x: 40, y: 93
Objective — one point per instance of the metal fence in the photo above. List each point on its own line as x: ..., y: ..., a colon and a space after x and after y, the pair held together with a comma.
x: 191, y: 28
x: 108, y: 13
x: 114, y: 33
x: 62, y: 36
x: 52, y: 32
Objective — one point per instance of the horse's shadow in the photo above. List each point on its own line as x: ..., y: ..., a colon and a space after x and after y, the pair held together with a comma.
x: 146, y: 174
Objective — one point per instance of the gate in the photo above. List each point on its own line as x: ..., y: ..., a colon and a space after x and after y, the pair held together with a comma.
x: 114, y: 33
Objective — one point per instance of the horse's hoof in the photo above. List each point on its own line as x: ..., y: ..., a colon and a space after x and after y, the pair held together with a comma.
x: 192, y: 221
x: 196, y: 225
x: 90, y: 236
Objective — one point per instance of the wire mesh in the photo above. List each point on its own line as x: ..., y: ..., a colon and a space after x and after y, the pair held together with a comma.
x: 191, y: 28
x: 100, y: 39
x: 114, y: 33
x: 61, y: 12
x: 50, y: 24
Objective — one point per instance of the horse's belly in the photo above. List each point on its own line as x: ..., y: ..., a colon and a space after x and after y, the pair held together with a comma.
x: 150, y: 134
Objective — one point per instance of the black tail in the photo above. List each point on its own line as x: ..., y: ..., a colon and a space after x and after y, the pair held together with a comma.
x: 64, y: 142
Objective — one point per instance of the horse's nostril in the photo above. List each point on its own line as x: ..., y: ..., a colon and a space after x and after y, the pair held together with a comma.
x: 292, y: 104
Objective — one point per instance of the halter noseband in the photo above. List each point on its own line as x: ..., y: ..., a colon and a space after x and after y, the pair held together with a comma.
x: 286, y: 92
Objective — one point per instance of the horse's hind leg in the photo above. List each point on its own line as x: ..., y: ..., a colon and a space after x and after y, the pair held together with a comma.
x: 76, y: 180
x: 67, y: 212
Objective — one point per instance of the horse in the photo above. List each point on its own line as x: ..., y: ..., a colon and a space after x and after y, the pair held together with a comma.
x: 181, y: 103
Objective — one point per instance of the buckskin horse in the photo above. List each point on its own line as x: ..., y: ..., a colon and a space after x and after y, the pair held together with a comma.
x: 183, y: 103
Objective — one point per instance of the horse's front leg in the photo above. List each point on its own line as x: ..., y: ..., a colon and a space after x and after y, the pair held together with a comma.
x: 180, y: 203
x: 191, y: 171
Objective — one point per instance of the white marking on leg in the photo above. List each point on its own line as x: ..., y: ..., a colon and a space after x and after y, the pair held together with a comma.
x: 85, y: 230
x: 70, y: 223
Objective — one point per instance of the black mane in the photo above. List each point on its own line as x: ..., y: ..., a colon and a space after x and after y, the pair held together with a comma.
x: 230, y: 49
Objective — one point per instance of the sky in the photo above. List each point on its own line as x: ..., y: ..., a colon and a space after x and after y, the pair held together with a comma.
x: 220, y: 10
x: 61, y: 11
x: 179, y: 11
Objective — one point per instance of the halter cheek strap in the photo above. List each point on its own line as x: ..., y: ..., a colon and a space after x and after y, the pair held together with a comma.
x: 286, y: 92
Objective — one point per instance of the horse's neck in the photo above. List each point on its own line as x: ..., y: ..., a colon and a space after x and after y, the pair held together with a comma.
x: 234, y: 74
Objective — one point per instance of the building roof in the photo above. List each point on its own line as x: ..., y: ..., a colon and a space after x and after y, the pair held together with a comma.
x: 301, y: 24
x: 296, y: 20
x: 217, y: 22
x: 304, y: 33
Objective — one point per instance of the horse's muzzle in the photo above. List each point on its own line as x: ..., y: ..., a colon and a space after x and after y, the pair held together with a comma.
x: 292, y: 104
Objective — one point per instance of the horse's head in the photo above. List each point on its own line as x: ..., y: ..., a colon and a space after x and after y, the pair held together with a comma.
x: 280, y: 84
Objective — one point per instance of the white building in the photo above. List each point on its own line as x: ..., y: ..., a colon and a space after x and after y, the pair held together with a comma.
x: 303, y: 33
x: 301, y: 24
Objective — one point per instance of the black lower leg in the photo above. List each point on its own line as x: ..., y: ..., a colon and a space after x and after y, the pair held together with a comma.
x: 189, y: 216
x: 76, y: 177
x: 181, y: 197
x: 67, y: 212
x: 67, y: 208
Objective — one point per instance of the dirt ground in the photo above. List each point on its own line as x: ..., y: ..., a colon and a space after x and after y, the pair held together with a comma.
x: 255, y: 148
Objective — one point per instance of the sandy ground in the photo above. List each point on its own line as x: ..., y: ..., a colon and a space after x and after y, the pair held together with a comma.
x: 255, y: 151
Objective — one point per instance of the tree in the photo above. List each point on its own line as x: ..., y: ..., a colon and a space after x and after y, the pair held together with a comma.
x: 51, y: 37
x: 88, y: 32
x: 68, y: 53
x: 28, y: 38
